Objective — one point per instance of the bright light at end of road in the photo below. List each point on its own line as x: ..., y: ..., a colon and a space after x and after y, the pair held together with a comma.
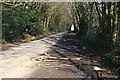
x: 72, y: 27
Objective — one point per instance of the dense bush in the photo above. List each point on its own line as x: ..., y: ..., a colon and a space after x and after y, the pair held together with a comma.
x: 96, y: 26
x: 95, y: 46
x: 23, y: 19
x: 17, y: 21
x: 112, y: 60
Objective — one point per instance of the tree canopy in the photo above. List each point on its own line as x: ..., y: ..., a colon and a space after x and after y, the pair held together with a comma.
x: 34, y: 19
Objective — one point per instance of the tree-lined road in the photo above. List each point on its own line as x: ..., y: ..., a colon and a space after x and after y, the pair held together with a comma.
x: 94, y: 39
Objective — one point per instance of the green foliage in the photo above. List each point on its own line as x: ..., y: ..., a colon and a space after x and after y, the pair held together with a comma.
x: 93, y: 45
x: 19, y: 20
x: 33, y: 19
x: 96, y: 25
x: 112, y: 60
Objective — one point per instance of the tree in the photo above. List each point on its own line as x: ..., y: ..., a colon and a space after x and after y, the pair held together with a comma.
x: 97, y: 22
x: 22, y: 19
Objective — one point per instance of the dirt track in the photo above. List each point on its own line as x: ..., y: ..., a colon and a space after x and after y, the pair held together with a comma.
x: 20, y: 61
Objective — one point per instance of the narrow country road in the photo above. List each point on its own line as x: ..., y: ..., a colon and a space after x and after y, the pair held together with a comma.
x: 21, y: 61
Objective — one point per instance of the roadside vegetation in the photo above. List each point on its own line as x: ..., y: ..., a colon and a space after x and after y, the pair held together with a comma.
x: 99, y: 30
x: 28, y: 20
x: 98, y: 25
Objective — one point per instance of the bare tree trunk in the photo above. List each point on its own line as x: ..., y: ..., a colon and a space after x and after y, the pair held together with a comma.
x: 98, y: 12
x: 118, y: 32
x: 118, y: 36
x: 113, y: 18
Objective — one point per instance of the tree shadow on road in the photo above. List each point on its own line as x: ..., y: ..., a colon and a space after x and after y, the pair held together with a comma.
x: 65, y: 47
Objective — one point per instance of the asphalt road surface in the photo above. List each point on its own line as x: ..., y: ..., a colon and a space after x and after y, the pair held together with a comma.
x: 21, y: 61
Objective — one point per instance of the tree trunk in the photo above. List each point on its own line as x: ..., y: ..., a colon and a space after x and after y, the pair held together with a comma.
x: 118, y: 32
